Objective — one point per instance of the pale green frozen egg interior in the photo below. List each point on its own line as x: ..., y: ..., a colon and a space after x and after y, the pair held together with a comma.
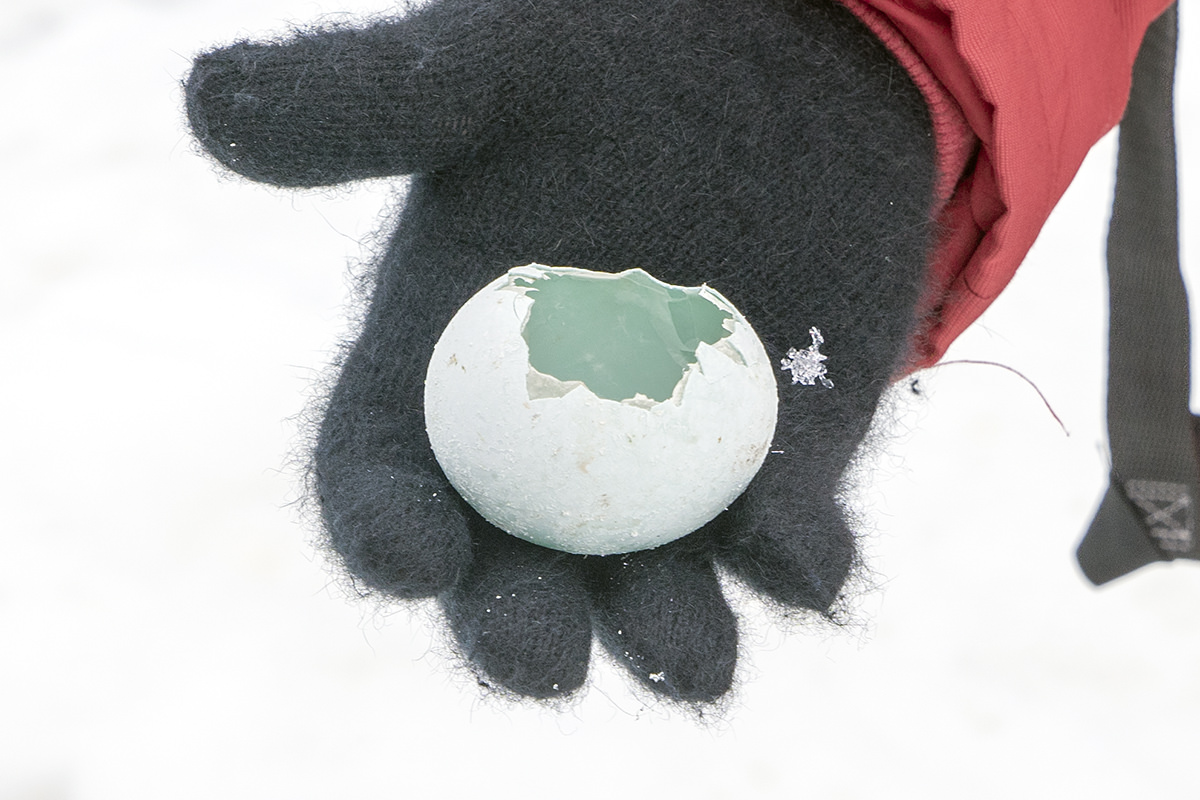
x: 621, y: 335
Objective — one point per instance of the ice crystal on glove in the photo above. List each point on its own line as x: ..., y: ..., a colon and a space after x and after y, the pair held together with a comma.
x: 805, y: 365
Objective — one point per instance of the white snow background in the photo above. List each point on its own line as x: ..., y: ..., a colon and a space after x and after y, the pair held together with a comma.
x: 167, y: 629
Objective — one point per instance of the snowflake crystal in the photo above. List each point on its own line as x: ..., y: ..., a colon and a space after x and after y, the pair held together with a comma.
x: 805, y: 365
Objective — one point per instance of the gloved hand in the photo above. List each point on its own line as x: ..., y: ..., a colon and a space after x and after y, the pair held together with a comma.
x: 769, y: 148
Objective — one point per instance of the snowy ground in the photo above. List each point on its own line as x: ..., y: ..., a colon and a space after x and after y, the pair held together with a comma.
x: 168, y: 631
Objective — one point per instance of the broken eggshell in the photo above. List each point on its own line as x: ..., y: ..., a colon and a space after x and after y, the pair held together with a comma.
x: 598, y: 413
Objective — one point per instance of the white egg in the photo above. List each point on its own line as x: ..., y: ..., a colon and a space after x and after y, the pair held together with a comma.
x: 598, y: 413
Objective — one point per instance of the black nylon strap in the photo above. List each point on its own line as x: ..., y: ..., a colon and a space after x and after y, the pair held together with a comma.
x: 1148, y: 513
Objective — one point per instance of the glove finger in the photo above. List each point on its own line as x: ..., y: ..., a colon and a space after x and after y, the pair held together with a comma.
x: 797, y: 552
x: 661, y: 613
x: 396, y: 531
x: 330, y: 106
x: 521, y: 615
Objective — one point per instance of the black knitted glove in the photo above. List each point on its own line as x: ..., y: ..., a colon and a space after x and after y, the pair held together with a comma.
x: 770, y: 148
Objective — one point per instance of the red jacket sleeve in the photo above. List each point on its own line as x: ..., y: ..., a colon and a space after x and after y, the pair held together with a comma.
x: 1019, y: 91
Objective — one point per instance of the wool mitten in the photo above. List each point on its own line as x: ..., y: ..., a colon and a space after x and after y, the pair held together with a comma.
x: 773, y: 149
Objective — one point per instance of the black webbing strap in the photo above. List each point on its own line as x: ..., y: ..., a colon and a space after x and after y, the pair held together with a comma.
x: 1149, y: 511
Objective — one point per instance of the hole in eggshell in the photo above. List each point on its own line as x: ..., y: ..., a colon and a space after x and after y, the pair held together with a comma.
x: 626, y: 337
